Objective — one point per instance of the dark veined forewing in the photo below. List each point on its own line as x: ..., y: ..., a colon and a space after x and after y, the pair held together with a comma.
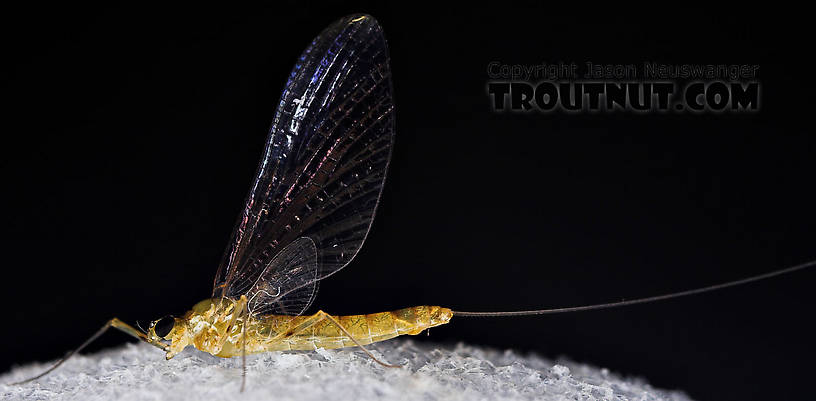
x: 317, y: 186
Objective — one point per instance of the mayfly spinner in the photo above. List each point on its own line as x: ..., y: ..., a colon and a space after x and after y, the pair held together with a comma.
x: 307, y: 214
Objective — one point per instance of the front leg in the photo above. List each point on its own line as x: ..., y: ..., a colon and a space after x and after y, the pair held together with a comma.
x: 116, y: 324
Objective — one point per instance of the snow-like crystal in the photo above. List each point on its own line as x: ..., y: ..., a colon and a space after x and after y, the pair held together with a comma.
x: 139, y: 372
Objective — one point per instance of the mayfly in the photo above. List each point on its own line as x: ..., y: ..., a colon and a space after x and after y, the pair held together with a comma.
x: 307, y: 214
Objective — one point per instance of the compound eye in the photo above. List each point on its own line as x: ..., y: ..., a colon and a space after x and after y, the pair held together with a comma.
x: 164, y: 325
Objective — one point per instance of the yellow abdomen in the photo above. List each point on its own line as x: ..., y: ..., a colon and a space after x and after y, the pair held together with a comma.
x: 283, y: 333
x: 366, y: 329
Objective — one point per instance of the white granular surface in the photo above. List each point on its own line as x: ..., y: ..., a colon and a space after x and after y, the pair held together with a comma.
x: 140, y: 372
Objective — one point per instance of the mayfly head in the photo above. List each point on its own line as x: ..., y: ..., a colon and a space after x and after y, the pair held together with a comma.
x: 168, y: 330
x: 160, y: 329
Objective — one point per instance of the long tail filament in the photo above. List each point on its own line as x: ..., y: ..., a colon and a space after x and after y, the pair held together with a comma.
x: 640, y: 300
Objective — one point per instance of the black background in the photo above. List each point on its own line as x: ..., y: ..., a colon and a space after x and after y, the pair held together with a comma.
x: 133, y: 133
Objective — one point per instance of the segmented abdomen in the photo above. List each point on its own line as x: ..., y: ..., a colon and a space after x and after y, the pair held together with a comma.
x: 366, y: 329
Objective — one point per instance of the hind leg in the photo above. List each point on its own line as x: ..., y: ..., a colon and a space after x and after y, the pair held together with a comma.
x: 319, y: 317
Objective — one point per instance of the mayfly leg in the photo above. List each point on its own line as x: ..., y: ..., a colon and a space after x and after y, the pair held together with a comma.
x: 115, y: 323
x: 243, y: 350
x: 346, y: 332
x: 243, y: 357
x: 319, y: 317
